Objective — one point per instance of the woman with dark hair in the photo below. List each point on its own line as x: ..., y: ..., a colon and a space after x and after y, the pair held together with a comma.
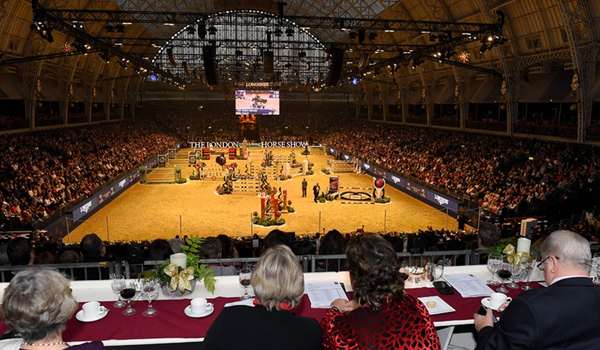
x: 381, y: 316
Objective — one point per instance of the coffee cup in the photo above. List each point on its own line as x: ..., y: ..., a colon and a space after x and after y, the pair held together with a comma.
x: 92, y: 309
x: 200, y: 306
x: 499, y: 299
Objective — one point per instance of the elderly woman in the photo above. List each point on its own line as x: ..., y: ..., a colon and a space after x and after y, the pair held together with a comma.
x: 37, y: 305
x: 381, y: 316
x: 278, y: 284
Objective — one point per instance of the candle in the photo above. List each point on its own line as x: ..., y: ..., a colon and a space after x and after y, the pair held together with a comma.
x: 179, y: 259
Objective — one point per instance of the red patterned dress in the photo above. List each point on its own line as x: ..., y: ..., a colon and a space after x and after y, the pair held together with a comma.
x: 401, y: 324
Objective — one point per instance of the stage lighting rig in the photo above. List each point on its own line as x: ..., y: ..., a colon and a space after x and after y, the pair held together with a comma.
x: 40, y: 24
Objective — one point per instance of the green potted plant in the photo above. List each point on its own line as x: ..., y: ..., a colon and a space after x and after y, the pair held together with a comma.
x: 180, y: 274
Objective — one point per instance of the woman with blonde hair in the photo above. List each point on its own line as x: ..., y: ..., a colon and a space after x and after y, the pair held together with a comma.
x: 37, y: 305
x: 278, y: 284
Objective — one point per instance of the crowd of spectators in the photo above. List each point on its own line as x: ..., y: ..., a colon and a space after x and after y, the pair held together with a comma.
x: 42, y: 172
x: 506, y: 176
x: 40, y: 249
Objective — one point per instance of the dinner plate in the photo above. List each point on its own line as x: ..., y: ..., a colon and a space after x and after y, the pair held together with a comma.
x: 103, y: 312
x: 487, y: 304
x: 188, y: 311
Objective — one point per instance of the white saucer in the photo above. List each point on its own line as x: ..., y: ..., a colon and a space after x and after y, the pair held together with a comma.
x: 487, y: 304
x: 103, y: 312
x: 188, y: 311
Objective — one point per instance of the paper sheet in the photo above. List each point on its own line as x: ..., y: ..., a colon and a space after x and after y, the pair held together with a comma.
x: 321, y: 294
x: 468, y: 286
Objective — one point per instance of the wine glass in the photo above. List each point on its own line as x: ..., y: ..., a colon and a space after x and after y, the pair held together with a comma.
x: 527, y: 267
x: 150, y: 292
x: 516, y: 271
x: 595, y: 273
x: 129, y: 293
x: 245, y: 275
x: 437, y: 270
x: 117, y: 284
x: 493, y: 264
x: 504, y: 272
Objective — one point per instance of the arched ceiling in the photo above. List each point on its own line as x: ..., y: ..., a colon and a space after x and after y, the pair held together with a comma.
x: 536, y: 29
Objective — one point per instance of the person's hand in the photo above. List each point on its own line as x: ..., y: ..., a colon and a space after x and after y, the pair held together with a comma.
x: 484, y: 321
x: 344, y: 305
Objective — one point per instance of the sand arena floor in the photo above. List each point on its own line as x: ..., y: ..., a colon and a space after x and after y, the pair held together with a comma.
x: 150, y: 211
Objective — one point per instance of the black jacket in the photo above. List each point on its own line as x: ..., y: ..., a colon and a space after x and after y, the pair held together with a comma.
x: 256, y: 328
x: 565, y: 316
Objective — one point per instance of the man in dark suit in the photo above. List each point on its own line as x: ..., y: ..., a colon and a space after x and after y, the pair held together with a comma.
x: 316, y: 192
x: 565, y: 315
x: 304, y: 187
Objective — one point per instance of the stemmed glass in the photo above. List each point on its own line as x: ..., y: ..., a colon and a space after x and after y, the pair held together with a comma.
x: 150, y: 292
x: 117, y: 284
x: 595, y: 273
x: 527, y: 267
x: 516, y: 272
x: 437, y: 270
x: 128, y: 293
x: 504, y: 272
x: 493, y: 264
x: 245, y: 275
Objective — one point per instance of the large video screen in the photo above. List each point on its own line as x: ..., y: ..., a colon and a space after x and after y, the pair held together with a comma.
x: 260, y: 102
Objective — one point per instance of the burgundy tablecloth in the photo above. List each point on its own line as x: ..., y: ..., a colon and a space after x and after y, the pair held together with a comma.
x: 170, y: 322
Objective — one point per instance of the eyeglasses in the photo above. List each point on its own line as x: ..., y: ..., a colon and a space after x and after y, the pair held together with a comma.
x: 540, y: 265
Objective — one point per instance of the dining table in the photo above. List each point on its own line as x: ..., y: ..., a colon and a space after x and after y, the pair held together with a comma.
x: 172, y: 325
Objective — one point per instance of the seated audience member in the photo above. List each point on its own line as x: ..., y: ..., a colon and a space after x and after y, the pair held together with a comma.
x: 20, y: 252
x: 211, y: 249
x: 37, y: 305
x: 159, y: 249
x: 562, y: 316
x: 45, y: 257
x: 92, y: 248
x: 278, y: 283
x: 332, y: 243
x: 228, y: 249
x: 381, y: 316
x: 276, y: 237
x: 69, y: 256
x: 176, y: 244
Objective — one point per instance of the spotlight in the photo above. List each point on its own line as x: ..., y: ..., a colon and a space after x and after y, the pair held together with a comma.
x: 355, y: 81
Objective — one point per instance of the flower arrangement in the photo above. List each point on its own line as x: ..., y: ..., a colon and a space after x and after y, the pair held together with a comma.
x: 180, y: 273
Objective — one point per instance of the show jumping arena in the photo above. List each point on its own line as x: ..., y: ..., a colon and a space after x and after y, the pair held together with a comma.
x: 150, y: 211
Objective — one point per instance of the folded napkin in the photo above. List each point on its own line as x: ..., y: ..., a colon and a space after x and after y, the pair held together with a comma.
x: 247, y: 302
